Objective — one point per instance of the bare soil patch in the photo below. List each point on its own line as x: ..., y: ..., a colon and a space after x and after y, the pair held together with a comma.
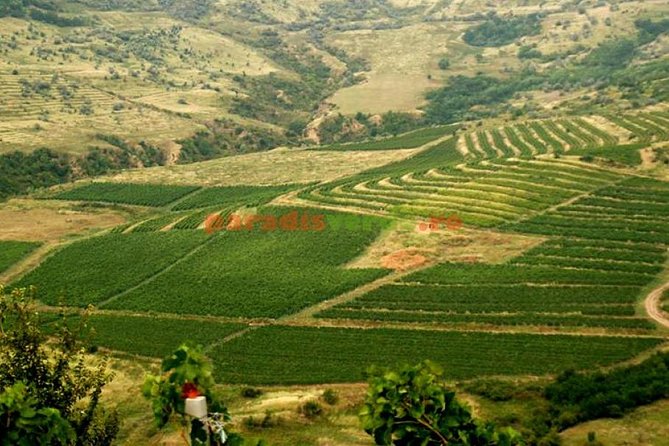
x: 46, y: 221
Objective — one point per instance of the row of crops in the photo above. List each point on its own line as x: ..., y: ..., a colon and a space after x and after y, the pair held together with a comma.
x: 645, y: 127
x: 278, y: 354
x: 526, y: 140
x: 132, y: 194
x: 183, y: 197
x: 306, y: 355
x: 482, y: 194
x: 410, y: 140
x: 507, y: 294
x: 578, y: 136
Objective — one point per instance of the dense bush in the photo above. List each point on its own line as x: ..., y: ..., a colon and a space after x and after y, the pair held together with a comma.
x: 580, y: 397
x: 50, y: 392
x: 414, y: 406
x: 498, y: 31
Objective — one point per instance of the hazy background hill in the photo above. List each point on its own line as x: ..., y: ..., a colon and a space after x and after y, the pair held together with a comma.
x: 126, y: 83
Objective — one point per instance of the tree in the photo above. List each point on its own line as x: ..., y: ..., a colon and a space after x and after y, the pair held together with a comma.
x: 444, y: 63
x: 188, y: 373
x: 413, y: 407
x: 51, y: 396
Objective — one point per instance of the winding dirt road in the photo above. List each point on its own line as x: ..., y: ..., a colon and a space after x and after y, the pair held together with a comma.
x: 654, y: 305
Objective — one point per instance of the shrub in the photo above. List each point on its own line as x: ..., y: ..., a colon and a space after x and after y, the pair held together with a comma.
x: 330, y: 397
x: 50, y: 395
x: 311, y: 409
x: 413, y: 406
x: 251, y: 392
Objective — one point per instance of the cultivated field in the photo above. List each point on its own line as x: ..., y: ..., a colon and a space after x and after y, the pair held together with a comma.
x: 548, y: 261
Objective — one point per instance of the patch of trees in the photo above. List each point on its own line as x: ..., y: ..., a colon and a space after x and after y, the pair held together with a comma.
x: 609, y: 64
x: 19, y: 8
x: 250, y: 10
x: 276, y: 99
x: 53, y: 18
x: 187, y: 9
x: 21, y: 172
x: 579, y: 397
x: 50, y: 393
x: 40, y: 10
x: 498, y: 31
x: 358, y: 10
x: 574, y: 398
x: 456, y: 101
x: 340, y: 128
x: 224, y: 138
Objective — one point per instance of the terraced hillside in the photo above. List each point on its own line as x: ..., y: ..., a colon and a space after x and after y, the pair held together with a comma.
x: 273, y: 282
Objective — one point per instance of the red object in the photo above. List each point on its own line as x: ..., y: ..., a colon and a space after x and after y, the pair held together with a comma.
x: 189, y: 390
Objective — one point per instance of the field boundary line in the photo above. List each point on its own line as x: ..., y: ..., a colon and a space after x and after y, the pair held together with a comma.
x: 653, y: 304
x: 153, y: 277
x: 568, y: 202
x: 30, y: 262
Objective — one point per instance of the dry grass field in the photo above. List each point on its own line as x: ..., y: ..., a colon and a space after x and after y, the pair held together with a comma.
x: 278, y: 166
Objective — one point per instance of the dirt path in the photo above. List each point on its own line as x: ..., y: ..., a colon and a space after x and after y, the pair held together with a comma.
x: 29, y: 263
x: 653, y: 305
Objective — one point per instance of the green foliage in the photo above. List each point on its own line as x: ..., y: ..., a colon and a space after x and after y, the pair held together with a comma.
x: 219, y: 141
x: 252, y: 392
x: 413, y: 406
x: 188, y: 373
x: 534, y: 319
x: 466, y: 274
x: 330, y: 397
x: 311, y: 409
x: 529, y: 52
x: 498, y: 31
x: 454, y: 102
x: 24, y: 423
x: 612, y: 54
x: 21, y: 173
x: 579, y: 397
x: 187, y: 365
x: 134, y: 194
x: 12, y: 252
x: 51, y: 395
x: 444, y: 63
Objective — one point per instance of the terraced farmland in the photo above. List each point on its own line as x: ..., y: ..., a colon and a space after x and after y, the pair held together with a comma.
x: 566, y: 301
x: 239, y: 273
x: 57, y: 111
x: 258, y: 274
x: 79, y: 274
x: 482, y: 194
x: 607, y: 247
x: 526, y: 140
